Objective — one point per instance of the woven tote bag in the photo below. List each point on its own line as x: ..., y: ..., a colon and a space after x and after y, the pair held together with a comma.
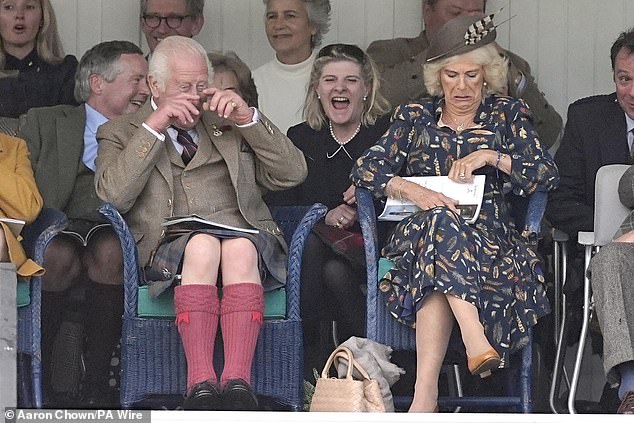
x: 347, y: 394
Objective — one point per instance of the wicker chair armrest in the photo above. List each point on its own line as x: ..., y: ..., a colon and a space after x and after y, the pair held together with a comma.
x: 367, y: 219
x: 305, y: 219
x: 130, y: 258
x: 534, y: 215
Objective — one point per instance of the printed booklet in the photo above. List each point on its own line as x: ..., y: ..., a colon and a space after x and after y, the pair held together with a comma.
x: 468, y: 195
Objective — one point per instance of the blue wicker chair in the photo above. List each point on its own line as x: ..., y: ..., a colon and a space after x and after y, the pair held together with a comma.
x: 37, y: 235
x: 383, y: 328
x: 152, y: 358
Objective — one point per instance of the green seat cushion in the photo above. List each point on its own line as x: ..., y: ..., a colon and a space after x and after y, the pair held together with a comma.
x: 23, y: 292
x: 385, y: 265
x: 163, y: 306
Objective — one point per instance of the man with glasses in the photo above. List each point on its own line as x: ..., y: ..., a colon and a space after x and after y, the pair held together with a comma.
x: 162, y: 18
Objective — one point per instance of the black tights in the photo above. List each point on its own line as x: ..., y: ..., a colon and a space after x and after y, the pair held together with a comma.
x: 330, y: 290
x: 83, y: 285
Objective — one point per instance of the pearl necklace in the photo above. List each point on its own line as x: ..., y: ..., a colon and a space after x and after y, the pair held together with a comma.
x: 341, y: 143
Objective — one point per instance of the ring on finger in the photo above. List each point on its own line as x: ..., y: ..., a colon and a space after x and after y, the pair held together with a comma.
x: 338, y: 225
x: 233, y: 104
x: 340, y: 220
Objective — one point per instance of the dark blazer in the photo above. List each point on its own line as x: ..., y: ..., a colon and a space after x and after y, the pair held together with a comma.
x: 55, y: 137
x: 595, y: 135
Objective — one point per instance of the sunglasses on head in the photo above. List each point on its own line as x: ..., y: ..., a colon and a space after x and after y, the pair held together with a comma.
x: 350, y: 50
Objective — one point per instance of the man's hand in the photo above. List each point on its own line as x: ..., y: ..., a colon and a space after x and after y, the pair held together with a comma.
x: 228, y: 104
x: 180, y: 110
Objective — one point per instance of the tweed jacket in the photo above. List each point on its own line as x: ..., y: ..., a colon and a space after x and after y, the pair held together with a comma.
x: 55, y: 136
x: 19, y: 198
x: 595, y: 135
x: 400, y: 62
x: 134, y: 172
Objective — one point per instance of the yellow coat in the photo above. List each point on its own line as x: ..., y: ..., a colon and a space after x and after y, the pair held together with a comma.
x: 19, y: 198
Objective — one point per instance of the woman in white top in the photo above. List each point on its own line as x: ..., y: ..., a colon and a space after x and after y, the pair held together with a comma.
x: 294, y: 28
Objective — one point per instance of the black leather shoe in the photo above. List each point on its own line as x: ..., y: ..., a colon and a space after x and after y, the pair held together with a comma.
x: 203, y: 396
x: 627, y: 406
x: 237, y: 395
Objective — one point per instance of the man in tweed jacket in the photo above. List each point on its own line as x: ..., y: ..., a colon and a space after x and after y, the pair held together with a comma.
x: 147, y: 174
x: 611, y: 272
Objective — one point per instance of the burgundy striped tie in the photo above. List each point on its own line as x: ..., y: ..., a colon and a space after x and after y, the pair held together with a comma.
x: 189, y: 146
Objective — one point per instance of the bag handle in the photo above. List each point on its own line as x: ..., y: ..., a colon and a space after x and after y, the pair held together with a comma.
x: 346, y: 354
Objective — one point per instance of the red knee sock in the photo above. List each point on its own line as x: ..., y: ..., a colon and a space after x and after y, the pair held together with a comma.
x: 240, y: 318
x: 197, y: 308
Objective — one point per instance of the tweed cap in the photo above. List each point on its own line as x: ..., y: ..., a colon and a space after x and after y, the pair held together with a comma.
x: 461, y: 35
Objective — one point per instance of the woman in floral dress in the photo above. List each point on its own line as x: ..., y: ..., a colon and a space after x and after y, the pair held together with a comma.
x: 484, y: 275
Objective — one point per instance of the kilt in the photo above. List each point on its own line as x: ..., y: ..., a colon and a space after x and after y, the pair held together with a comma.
x: 164, y: 267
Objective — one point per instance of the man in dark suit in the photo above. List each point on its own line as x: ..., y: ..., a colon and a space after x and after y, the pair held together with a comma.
x: 110, y: 81
x: 599, y: 132
x: 200, y: 150
x: 401, y: 60
x: 162, y: 18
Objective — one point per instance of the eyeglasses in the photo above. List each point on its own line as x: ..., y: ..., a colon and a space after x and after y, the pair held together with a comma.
x: 350, y: 50
x: 174, y: 22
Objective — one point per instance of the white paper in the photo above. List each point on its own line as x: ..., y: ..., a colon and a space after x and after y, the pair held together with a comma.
x: 15, y: 225
x: 193, y: 218
x: 468, y: 195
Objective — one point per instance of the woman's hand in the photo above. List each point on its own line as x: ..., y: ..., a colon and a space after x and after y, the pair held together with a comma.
x: 462, y: 169
x: 342, y: 216
x: 424, y: 198
x: 349, y: 196
x: 428, y: 199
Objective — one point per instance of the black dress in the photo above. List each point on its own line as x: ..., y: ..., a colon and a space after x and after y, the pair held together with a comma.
x: 330, y: 288
x: 327, y: 178
x: 37, y: 84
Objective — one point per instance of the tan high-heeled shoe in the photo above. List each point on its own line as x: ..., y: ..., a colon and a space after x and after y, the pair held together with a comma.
x: 482, y: 364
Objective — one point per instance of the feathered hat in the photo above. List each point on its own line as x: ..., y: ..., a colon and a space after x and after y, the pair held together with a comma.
x: 461, y: 35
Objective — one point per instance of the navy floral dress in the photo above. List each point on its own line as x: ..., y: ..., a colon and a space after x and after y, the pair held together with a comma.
x: 487, y: 263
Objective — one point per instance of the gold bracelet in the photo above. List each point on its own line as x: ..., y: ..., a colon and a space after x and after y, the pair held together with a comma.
x: 398, y: 189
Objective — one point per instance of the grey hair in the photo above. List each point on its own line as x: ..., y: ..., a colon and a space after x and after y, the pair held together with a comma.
x: 495, y: 70
x: 194, y: 7
x: 159, y: 66
x: 230, y: 62
x: 103, y: 60
x: 319, y: 15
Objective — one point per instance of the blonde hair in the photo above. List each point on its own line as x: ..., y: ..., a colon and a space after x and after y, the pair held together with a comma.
x: 495, y: 68
x: 373, y: 107
x: 47, y: 42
